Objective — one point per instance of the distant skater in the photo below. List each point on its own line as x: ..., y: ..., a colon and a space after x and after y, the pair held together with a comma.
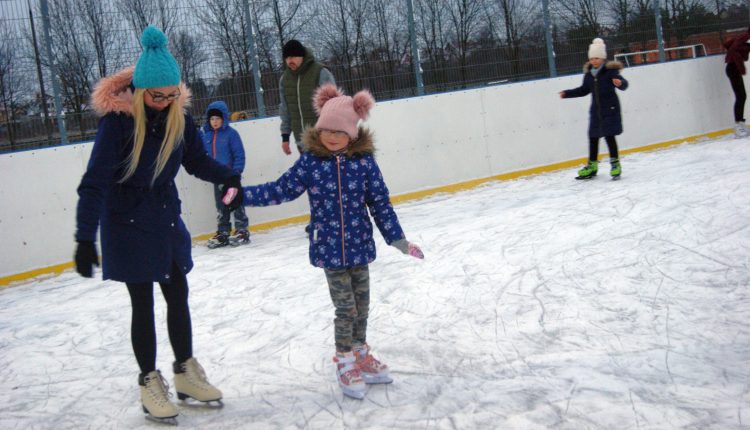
x: 737, y: 53
x: 605, y: 120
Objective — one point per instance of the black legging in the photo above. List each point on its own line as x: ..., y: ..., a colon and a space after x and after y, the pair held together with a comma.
x: 142, y: 329
x: 738, y: 86
x: 594, y: 148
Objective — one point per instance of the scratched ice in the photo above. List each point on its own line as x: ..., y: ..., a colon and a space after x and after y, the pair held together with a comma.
x: 543, y: 302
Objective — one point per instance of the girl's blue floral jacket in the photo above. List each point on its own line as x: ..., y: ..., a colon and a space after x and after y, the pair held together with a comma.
x: 341, y: 188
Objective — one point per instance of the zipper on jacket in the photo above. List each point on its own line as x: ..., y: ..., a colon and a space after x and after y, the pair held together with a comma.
x: 598, y: 102
x: 299, y: 105
x: 214, y: 145
x: 341, y: 209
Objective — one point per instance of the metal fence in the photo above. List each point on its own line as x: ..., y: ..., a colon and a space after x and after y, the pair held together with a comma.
x: 52, y: 52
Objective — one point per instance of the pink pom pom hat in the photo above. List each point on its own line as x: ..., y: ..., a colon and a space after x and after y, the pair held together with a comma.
x: 340, y: 112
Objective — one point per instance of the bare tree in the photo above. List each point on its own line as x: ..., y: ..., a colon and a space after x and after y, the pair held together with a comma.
x: 11, y: 80
x: 74, y: 59
x: 189, y: 55
x: 224, y: 23
x: 465, y: 19
x: 520, y: 19
x: 581, y: 13
x: 342, y: 33
x: 283, y: 19
x: 390, y: 42
x: 142, y: 13
x: 430, y: 16
x: 99, y: 26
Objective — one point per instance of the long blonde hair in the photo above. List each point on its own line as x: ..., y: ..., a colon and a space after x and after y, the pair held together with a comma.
x: 173, y: 134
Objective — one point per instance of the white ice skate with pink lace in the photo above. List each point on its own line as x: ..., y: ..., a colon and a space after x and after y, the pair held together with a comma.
x: 349, y: 375
x: 373, y: 371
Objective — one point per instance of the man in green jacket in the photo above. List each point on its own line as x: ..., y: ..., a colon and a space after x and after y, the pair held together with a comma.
x: 302, y: 76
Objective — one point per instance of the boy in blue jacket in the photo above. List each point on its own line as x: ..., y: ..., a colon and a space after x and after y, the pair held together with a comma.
x: 223, y: 144
x: 343, y: 181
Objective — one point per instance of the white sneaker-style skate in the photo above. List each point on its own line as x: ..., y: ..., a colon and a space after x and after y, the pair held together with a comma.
x: 373, y: 371
x: 155, y: 398
x: 348, y: 375
x: 740, y: 130
x: 190, y: 381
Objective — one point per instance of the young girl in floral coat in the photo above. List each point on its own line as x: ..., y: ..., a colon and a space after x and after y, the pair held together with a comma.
x: 343, y: 181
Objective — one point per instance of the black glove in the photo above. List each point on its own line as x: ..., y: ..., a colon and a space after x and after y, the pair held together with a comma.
x: 86, y: 257
x: 234, y: 182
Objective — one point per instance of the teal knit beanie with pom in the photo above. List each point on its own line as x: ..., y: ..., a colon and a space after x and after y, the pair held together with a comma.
x: 156, y: 67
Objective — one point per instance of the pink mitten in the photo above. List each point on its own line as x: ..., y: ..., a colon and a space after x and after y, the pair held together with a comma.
x: 229, y: 195
x: 408, y: 248
x: 415, y: 252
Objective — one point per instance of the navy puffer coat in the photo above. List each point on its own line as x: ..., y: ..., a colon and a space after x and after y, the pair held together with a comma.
x: 142, y: 233
x: 605, y: 118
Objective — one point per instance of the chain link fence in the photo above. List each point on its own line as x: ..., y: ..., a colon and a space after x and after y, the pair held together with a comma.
x: 52, y: 52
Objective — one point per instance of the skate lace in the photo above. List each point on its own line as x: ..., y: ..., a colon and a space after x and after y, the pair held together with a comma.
x: 195, y: 373
x: 348, y: 370
x: 158, y: 388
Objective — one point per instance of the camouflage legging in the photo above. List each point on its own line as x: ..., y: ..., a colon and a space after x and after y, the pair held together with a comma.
x: 350, y: 292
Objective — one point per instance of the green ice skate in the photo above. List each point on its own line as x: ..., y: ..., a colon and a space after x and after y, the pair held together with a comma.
x: 588, y: 171
x: 616, y: 170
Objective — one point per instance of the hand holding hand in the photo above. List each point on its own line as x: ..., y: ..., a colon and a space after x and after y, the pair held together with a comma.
x: 85, y: 258
x: 233, y: 193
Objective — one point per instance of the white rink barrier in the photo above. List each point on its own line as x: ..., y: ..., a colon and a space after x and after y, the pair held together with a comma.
x: 422, y: 143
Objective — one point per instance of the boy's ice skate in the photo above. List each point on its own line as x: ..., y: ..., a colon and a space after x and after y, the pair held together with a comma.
x: 588, y: 171
x: 616, y: 169
x: 240, y: 237
x: 155, y: 398
x: 190, y: 381
x: 373, y: 371
x: 219, y: 240
x: 349, y: 375
x: 740, y: 130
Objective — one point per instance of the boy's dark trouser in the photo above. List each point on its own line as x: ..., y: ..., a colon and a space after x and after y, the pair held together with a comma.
x: 594, y: 148
x: 223, y: 214
x: 350, y: 292
x: 142, y: 329
x: 738, y: 86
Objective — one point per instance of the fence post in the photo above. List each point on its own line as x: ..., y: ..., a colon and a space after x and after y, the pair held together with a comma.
x: 256, y: 64
x: 53, y: 71
x: 659, y: 33
x: 548, y: 37
x: 39, y: 73
x: 415, y: 61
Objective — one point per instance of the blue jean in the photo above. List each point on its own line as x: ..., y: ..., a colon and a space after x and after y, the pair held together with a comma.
x: 223, y: 214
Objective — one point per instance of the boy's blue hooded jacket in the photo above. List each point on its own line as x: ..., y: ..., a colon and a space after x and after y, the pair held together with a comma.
x: 223, y: 145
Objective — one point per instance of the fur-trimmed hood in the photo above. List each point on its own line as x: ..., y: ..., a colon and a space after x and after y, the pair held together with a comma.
x: 610, y: 65
x: 114, y: 94
x: 363, y: 145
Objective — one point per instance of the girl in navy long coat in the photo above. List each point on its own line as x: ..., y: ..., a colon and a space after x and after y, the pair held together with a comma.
x: 128, y: 190
x: 605, y: 119
x: 343, y: 181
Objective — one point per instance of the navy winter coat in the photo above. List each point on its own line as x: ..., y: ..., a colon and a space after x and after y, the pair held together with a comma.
x: 142, y: 233
x: 605, y: 117
x: 341, y: 188
x: 223, y: 145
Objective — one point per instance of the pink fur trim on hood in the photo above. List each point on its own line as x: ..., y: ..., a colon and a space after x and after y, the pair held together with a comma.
x: 113, y: 94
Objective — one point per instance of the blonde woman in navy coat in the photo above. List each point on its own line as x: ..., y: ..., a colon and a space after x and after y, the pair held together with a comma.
x: 128, y: 191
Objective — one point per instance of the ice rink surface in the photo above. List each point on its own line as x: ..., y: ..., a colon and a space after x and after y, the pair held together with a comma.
x: 542, y: 303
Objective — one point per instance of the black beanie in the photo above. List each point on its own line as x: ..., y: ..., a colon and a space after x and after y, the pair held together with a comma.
x: 293, y: 48
x: 215, y: 112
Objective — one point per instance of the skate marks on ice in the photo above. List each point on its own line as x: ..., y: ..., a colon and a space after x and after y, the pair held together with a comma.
x: 542, y: 303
